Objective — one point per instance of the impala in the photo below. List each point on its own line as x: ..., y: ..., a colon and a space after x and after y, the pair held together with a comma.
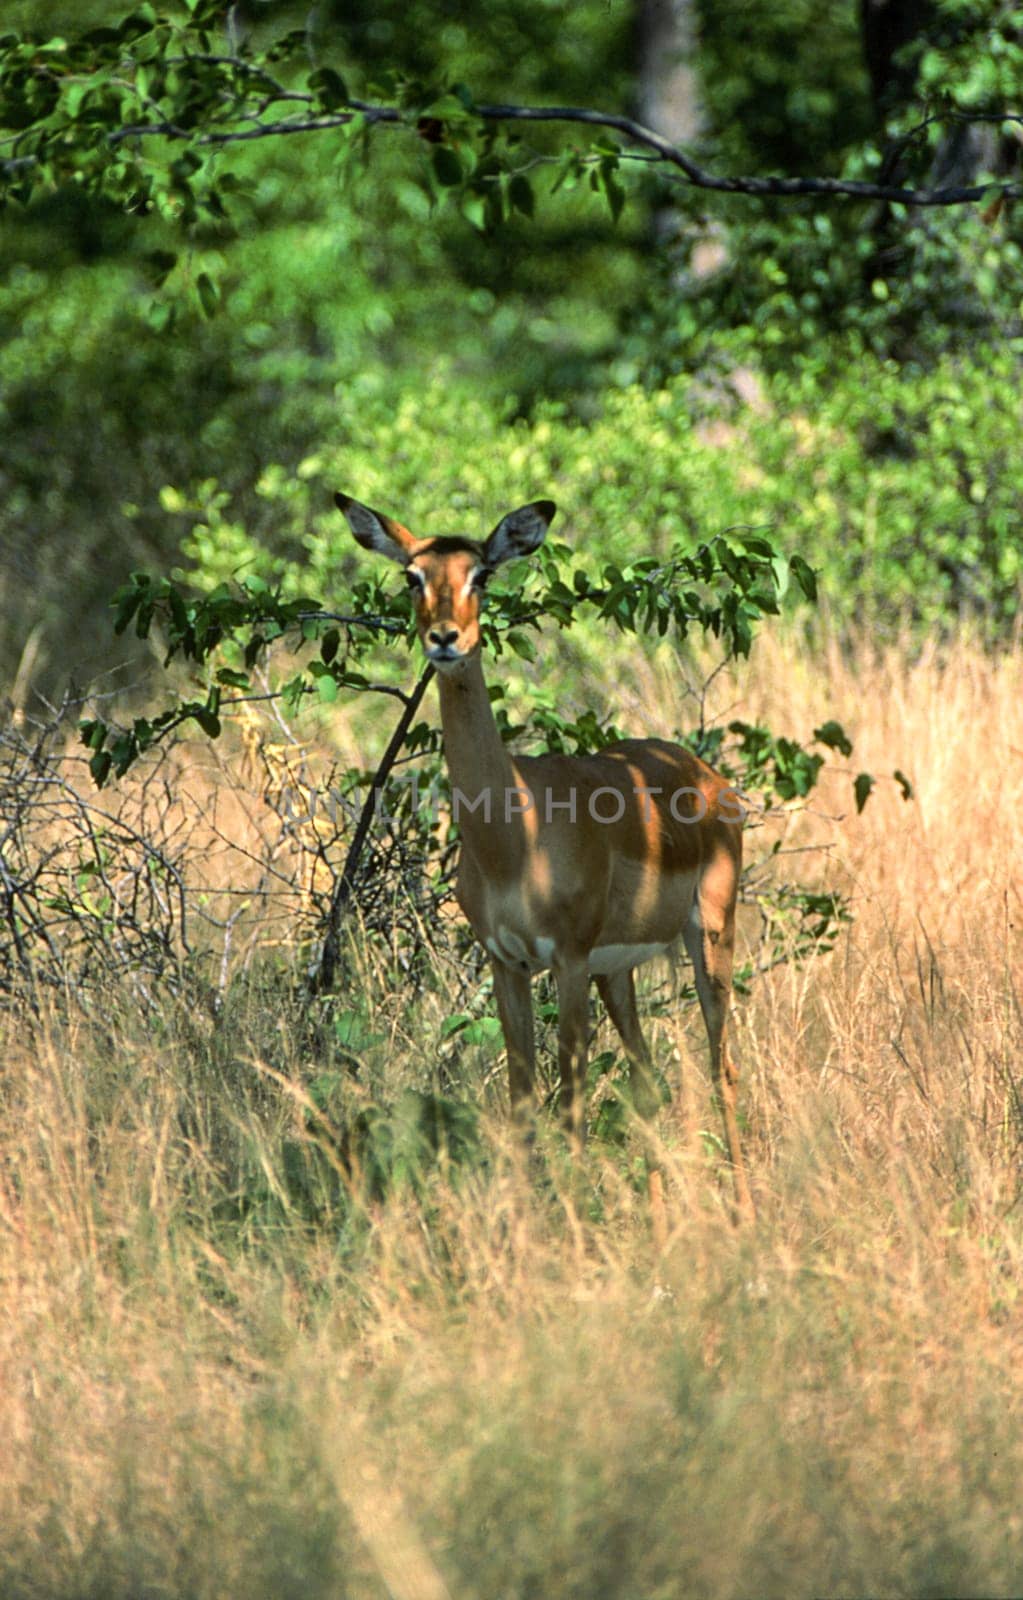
x: 587, y: 865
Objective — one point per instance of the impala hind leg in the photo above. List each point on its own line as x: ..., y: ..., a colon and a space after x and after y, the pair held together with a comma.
x: 573, y: 982
x: 709, y: 938
x: 514, y: 995
x: 618, y: 992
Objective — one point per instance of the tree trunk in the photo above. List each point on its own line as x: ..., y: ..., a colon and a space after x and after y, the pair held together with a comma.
x: 668, y: 99
x: 886, y: 26
x: 966, y: 150
x: 668, y: 88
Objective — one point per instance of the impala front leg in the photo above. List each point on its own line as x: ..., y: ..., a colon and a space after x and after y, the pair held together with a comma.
x: 514, y: 995
x: 573, y: 981
x: 710, y: 942
x: 618, y: 992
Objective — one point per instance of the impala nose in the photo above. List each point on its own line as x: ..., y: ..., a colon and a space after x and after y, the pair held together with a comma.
x: 443, y: 637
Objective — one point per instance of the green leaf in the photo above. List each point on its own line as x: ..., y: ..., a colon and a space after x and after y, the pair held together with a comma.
x: 99, y: 766
x: 329, y: 88
x: 208, y: 721
x: 522, y: 644
x: 353, y: 1030
x: 329, y: 645
x: 209, y: 294
x: 288, y: 44
x: 75, y: 98
x: 447, y: 168
x: 861, y: 788
x: 780, y: 574
x: 453, y: 1024
x: 520, y: 193
x: 187, y: 164
x: 484, y: 1031
x: 614, y: 194
x: 474, y: 210
x: 157, y: 266
x: 127, y: 605
x: 326, y: 687
x: 124, y: 751
x: 140, y: 20
x: 834, y: 736
x: 757, y: 545
x: 804, y: 576
x: 904, y: 784
x: 473, y: 1030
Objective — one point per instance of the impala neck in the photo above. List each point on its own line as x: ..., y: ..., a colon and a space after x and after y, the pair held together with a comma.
x: 478, y: 762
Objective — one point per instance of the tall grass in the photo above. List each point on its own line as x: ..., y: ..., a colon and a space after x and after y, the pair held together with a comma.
x: 239, y: 1359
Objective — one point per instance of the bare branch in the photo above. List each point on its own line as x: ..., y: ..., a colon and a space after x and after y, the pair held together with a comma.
x: 698, y: 178
x: 322, y: 977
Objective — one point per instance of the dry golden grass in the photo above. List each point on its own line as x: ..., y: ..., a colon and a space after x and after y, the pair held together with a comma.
x: 230, y: 1369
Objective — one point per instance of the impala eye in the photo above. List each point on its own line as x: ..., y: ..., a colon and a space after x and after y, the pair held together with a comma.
x: 415, y: 580
x: 480, y: 578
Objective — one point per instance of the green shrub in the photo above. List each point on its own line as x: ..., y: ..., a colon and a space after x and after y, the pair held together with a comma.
x: 900, y: 485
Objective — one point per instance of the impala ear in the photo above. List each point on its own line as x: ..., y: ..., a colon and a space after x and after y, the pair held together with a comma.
x: 519, y: 533
x: 377, y: 532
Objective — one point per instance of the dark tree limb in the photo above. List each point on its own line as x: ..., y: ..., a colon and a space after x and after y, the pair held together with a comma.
x: 634, y: 133
x: 321, y: 978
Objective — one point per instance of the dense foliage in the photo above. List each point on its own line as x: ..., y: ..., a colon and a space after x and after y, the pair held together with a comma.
x: 901, y: 488
x: 285, y: 303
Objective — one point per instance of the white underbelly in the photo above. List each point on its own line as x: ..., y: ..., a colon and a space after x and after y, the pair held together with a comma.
x: 610, y: 958
x: 536, y: 955
x: 509, y: 947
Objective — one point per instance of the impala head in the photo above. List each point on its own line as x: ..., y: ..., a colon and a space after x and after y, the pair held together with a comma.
x: 447, y: 575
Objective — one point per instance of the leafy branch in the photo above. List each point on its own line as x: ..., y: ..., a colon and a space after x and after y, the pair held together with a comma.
x: 87, y: 109
x: 723, y: 588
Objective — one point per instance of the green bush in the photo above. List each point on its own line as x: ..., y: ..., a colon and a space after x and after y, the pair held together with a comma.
x: 900, y: 485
